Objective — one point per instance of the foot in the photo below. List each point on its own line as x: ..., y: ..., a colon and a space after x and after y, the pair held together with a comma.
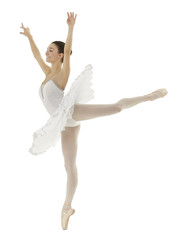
x: 157, y: 94
x: 65, y: 215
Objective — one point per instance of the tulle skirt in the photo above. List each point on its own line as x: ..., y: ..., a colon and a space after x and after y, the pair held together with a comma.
x: 49, y: 135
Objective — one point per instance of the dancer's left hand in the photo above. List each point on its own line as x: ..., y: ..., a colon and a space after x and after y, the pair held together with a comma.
x: 71, y: 19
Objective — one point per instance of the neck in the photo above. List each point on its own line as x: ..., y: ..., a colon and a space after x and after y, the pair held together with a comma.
x: 56, y: 67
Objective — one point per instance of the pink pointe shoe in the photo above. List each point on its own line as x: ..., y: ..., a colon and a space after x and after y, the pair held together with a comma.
x: 65, y: 215
x: 157, y: 94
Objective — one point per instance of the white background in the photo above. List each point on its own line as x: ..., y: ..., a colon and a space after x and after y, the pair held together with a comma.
x: 125, y: 161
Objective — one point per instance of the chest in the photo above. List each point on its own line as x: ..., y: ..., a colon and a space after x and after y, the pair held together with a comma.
x: 58, y: 78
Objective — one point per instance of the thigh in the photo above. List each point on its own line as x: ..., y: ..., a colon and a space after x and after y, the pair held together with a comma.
x: 69, y: 142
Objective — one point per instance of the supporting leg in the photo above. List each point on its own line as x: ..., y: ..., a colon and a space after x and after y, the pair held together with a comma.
x: 90, y: 111
x: 69, y: 140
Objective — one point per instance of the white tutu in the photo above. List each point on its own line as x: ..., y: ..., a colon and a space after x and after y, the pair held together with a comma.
x: 80, y: 92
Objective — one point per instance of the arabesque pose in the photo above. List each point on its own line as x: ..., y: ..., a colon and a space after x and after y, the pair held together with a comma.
x: 66, y: 111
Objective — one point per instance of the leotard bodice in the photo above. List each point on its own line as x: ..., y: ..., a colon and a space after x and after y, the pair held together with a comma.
x: 51, y: 95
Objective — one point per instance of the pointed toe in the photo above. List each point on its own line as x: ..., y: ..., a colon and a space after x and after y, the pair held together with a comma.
x: 65, y: 218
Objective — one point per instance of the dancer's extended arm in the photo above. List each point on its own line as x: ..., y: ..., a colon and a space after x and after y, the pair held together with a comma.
x: 68, y: 45
x: 35, y: 50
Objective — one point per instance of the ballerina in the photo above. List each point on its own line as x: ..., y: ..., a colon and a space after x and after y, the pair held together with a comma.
x: 67, y: 111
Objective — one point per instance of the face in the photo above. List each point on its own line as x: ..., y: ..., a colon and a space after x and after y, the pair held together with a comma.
x: 52, y: 54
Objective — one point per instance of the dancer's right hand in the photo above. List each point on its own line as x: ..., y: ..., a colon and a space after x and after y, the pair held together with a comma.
x: 26, y: 31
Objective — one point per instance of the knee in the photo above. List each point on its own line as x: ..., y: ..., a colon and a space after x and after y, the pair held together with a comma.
x: 72, y: 175
x: 70, y: 168
x: 118, y: 107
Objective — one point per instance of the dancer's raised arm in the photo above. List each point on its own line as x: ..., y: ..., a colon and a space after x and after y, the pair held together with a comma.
x: 35, y: 50
x: 68, y: 45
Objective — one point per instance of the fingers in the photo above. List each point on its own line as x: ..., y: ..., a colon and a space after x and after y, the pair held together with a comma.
x: 22, y: 26
x: 71, y: 15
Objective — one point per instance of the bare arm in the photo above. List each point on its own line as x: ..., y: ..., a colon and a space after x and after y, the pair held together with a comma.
x: 68, y: 45
x: 35, y: 50
x: 33, y: 46
x: 71, y: 22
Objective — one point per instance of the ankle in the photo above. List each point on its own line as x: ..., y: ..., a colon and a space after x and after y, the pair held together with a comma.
x: 67, y: 205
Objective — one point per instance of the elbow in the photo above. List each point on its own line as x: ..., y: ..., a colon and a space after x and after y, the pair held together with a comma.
x: 67, y: 48
x: 67, y: 51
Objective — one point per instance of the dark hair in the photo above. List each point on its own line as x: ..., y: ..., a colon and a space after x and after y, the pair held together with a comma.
x: 60, y: 45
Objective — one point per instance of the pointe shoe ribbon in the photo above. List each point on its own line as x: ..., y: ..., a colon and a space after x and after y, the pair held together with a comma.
x: 65, y: 217
x: 157, y: 94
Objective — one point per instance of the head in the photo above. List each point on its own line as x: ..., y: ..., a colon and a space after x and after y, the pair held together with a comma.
x: 55, y: 52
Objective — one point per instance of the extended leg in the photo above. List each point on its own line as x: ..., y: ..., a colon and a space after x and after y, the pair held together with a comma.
x: 90, y: 111
x: 69, y: 140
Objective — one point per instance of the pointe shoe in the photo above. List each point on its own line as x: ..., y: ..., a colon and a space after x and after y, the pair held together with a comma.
x: 65, y: 215
x: 157, y: 94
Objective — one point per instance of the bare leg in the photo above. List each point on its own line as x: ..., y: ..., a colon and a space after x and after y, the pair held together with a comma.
x: 90, y: 111
x: 69, y: 139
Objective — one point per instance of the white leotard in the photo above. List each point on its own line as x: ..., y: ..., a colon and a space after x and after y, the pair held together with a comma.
x: 51, y: 96
x: 60, y: 106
